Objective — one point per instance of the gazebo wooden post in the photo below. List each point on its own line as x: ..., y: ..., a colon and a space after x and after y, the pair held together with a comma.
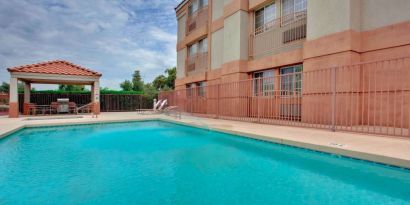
x: 27, y: 91
x: 13, y: 98
x: 95, y: 92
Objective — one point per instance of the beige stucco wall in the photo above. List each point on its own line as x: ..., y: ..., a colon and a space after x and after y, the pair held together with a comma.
x: 181, y: 28
x: 217, y: 9
x: 226, y: 2
x: 217, y: 48
x: 181, y: 55
x: 379, y: 13
x: 331, y: 16
x: 235, y: 41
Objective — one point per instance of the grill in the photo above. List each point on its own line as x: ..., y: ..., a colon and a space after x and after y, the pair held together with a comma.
x: 62, y: 105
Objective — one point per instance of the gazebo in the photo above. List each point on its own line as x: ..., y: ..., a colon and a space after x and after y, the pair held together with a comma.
x: 51, y: 72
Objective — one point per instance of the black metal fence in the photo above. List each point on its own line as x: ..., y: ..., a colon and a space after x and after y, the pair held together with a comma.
x: 108, y: 102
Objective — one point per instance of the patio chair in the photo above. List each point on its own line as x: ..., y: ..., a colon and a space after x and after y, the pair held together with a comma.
x: 156, y: 103
x: 154, y: 110
x: 30, y: 109
x: 87, y: 108
x: 53, y: 107
x: 3, y: 109
x: 173, y: 110
x: 72, y: 107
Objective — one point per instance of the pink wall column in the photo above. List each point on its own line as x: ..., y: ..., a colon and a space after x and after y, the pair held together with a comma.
x: 95, y: 92
x: 13, y: 102
x: 27, y: 89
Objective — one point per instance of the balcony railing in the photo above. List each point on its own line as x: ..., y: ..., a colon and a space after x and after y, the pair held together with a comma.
x: 279, y: 35
x: 197, y: 63
x: 197, y: 19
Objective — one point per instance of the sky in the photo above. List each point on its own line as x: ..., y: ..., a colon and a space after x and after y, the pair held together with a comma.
x: 113, y: 37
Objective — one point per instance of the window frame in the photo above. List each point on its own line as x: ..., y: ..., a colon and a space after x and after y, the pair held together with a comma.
x: 202, y: 44
x: 199, y: 47
x: 201, y: 89
x: 295, y: 13
x: 192, y: 46
x: 264, y: 85
x: 293, y: 80
x: 189, y: 90
x: 201, y: 4
x: 263, y: 8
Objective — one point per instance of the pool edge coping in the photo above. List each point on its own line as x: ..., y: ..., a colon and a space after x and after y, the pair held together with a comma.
x: 381, y: 159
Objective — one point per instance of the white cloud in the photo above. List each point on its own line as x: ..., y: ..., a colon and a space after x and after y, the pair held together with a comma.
x: 112, y: 37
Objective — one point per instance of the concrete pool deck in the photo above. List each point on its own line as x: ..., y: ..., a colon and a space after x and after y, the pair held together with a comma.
x: 383, y: 149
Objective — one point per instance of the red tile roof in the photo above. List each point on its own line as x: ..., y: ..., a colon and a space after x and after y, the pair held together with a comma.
x: 59, y: 67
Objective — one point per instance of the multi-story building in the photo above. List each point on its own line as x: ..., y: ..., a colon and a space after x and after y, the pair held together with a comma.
x: 225, y: 41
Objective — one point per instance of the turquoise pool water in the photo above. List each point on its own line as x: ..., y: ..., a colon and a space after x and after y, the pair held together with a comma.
x: 157, y: 162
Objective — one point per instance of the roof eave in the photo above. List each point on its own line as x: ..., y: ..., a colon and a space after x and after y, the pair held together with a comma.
x: 180, y: 5
x: 25, y: 74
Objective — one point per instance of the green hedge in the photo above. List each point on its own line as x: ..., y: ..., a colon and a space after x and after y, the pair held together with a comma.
x: 106, y: 92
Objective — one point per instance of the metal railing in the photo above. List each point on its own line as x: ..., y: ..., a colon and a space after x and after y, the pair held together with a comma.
x: 279, y: 35
x: 196, y: 20
x: 108, y: 102
x: 371, y: 97
x: 196, y: 63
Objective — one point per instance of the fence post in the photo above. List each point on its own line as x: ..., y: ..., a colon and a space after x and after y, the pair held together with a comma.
x: 217, y: 101
x: 192, y: 99
x: 333, y: 85
x: 174, y: 97
x: 258, y: 93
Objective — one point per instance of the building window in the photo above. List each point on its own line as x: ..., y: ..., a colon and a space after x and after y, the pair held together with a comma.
x: 291, y: 111
x: 201, y: 89
x: 189, y: 88
x: 196, y: 89
x: 192, y: 49
x: 199, y: 47
x: 195, y: 5
x: 203, y: 45
x: 299, y: 5
x: 264, y: 18
x: 291, y: 80
x: 263, y: 83
x: 293, y: 9
x: 197, y: 55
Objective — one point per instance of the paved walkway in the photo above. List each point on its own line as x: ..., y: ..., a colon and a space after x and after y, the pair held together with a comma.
x: 389, y: 150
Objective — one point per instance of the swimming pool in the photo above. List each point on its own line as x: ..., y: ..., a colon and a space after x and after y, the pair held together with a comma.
x: 156, y: 162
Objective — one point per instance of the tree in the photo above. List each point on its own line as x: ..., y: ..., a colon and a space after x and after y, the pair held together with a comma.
x: 4, y: 87
x: 150, y: 91
x: 137, y: 83
x: 70, y: 88
x: 126, y: 85
x: 171, y: 76
x: 160, y: 82
x: 104, y: 89
x: 167, y: 81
